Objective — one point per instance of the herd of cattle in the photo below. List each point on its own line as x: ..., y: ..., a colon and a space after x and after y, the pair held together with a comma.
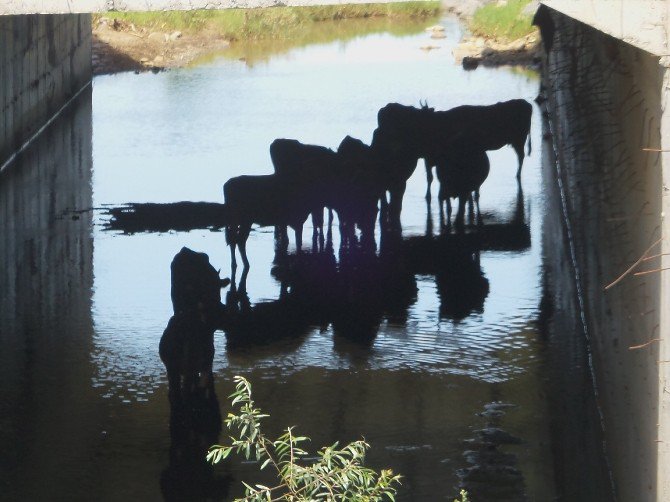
x: 354, y: 180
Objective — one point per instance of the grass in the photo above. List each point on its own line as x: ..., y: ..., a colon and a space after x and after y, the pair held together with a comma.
x: 269, y: 23
x: 503, y: 21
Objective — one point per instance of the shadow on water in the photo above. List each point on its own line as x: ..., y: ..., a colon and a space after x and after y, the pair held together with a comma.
x: 355, y: 293
x: 134, y: 218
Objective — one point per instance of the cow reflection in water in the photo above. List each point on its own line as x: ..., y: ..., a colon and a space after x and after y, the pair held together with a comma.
x: 187, y: 350
x: 461, y: 284
x: 353, y: 295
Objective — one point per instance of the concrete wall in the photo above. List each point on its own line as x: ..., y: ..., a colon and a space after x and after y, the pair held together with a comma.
x: 46, y: 239
x: 606, y: 101
x: 44, y: 61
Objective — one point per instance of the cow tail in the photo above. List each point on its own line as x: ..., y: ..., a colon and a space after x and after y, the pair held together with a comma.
x: 229, y: 235
x: 529, y: 143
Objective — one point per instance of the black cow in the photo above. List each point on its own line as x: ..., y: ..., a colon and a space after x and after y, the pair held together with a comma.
x: 269, y: 200
x: 187, y: 345
x: 481, y: 127
x: 355, y: 192
x: 310, y: 167
x: 402, y: 137
x: 406, y: 133
x: 461, y: 172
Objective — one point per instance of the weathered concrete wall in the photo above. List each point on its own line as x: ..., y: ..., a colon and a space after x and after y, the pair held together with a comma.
x: 44, y: 62
x: 606, y: 100
x: 47, y: 242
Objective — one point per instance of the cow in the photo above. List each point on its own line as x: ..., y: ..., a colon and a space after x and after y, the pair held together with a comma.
x: 187, y: 345
x: 267, y: 200
x: 356, y: 191
x: 487, y: 127
x: 309, y: 166
x: 461, y: 172
x: 406, y: 133
x: 403, y: 135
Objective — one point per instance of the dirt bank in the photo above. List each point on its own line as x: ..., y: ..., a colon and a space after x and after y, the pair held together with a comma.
x: 120, y: 46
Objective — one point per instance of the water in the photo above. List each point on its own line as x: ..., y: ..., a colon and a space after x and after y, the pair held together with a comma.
x: 84, y: 393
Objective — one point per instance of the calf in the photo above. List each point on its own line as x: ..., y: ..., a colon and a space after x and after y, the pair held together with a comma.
x: 268, y: 200
x: 461, y: 172
x: 355, y: 196
x: 310, y: 167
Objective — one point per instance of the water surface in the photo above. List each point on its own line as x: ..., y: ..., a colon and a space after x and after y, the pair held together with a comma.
x: 446, y: 400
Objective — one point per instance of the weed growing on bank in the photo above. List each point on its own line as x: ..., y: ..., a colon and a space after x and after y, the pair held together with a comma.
x: 268, y: 23
x: 502, y: 20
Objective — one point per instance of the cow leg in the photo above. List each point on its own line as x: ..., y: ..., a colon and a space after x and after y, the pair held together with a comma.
x: 518, y: 148
x: 242, y: 244
x: 329, y: 236
x: 479, y: 211
x: 441, y: 202
x: 448, y: 203
x: 317, y: 234
x: 460, y: 216
x: 343, y: 232
x: 298, y: 238
x: 471, y: 209
x: 231, y: 238
x: 396, y: 205
x: 384, y: 211
x: 429, y: 178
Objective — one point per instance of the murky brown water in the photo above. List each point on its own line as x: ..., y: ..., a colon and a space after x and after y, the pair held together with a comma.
x: 493, y: 396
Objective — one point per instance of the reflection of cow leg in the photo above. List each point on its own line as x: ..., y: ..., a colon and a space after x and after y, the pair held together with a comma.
x: 429, y: 178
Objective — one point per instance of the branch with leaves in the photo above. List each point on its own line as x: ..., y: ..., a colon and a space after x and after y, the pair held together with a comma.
x: 337, y: 474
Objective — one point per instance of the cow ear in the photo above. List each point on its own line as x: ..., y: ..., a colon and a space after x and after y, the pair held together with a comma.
x: 225, y: 282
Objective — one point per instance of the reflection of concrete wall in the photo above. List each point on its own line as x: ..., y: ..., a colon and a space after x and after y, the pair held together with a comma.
x: 46, y: 279
x: 606, y: 100
x: 44, y: 61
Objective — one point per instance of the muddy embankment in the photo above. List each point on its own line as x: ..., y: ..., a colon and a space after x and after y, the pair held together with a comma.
x: 120, y: 45
x: 474, y: 50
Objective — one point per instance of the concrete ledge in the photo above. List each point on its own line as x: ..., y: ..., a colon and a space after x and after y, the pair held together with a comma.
x: 10, y: 7
x: 641, y: 23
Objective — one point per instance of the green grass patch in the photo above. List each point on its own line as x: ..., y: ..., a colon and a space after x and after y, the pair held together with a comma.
x: 269, y: 23
x: 503, y: 21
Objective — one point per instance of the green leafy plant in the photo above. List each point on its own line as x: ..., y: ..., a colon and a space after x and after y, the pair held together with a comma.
x: 337, y: 474
x: 464, y: 497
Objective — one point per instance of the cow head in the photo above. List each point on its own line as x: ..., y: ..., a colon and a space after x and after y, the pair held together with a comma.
x: 196, y: 287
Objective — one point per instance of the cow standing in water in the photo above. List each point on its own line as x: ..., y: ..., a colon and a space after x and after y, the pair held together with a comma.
x: 187, y: 345
x: 267, y: 200
x: 482, y: 127
x: 461, y: 172
x: 310, y: 167
x: 405, y: 134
